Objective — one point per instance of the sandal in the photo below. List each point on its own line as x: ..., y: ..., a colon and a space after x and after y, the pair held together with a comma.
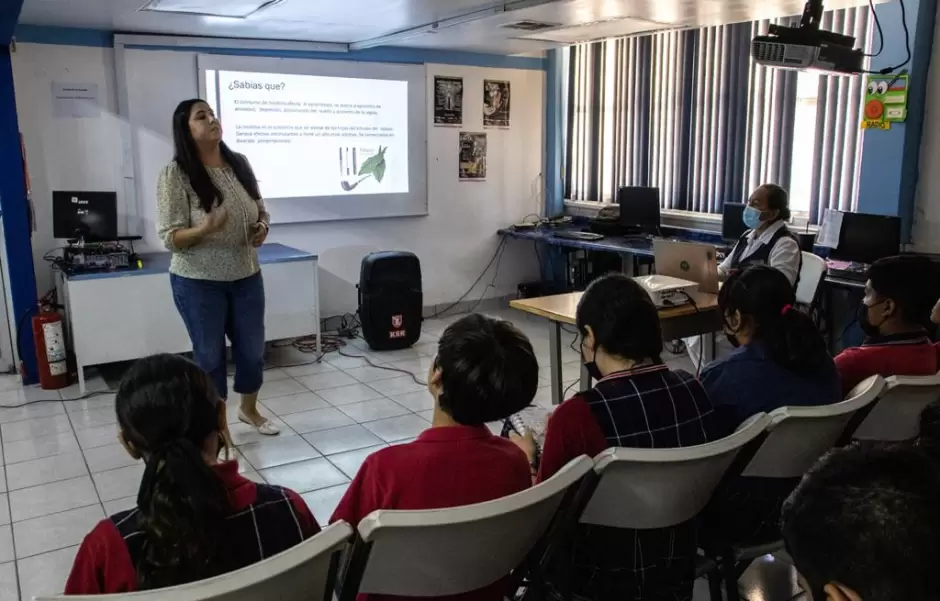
x: 267, y: 428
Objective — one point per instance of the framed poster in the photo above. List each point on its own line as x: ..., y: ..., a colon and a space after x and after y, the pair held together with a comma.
x: 495, y: 103
x: 472, y: 156
x: 448, y: 100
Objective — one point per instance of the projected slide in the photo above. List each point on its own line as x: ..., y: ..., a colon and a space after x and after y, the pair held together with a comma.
x: 311, y: 135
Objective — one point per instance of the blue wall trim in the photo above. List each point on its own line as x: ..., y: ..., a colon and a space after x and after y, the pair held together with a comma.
x: 9, y: 14
x: 21, y: 274
x: 64, y: 36
x: 105, y: 39
x: 555, y: 88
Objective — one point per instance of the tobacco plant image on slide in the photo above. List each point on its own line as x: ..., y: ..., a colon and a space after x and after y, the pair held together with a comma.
x: 374, y: 166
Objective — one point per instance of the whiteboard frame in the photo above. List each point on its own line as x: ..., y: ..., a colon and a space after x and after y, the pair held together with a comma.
x: 414, y: 203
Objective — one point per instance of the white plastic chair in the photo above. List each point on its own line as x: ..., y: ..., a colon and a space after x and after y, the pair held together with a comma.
x: 895, y: 417
x: 657, y: 488
x: 646, y: 489
x: 451, y: 551
x: 811, y: 275
x: 796, y: 438
x: 305, y: 572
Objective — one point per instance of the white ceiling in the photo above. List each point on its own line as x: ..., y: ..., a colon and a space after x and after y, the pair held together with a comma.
x: 462, y: 24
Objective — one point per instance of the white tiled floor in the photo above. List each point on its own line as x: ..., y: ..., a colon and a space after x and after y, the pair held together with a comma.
x: 64, y: 469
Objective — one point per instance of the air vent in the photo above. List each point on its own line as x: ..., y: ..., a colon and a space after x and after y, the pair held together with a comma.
x: 531, y: 25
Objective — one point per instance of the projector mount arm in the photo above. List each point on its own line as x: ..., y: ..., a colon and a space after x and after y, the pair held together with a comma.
x: 812, y: 15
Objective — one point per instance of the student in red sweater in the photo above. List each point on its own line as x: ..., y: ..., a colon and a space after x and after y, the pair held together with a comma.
x: 485, y: 371
x: 195, y: 517
x: 893, y: 315
x: 639, y: 402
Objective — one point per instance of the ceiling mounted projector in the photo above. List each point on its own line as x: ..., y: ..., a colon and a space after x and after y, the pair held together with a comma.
x: 807, y: 46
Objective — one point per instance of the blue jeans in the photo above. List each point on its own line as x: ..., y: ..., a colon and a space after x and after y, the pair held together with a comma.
x: 213, y: 310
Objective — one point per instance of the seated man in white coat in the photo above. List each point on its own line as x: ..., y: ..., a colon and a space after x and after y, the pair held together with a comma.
x: 768, y: 241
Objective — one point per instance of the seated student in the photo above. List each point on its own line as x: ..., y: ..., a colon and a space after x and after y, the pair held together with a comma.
x: 779, y: 358
x: 892, y: 316
x: 769, y: 240
x: 864, y: 525
x: 195, y: 517
x: 485, y: 371
x: 637, y: 402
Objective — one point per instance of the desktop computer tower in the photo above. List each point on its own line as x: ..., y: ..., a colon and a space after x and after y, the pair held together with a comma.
x: 390, y: 300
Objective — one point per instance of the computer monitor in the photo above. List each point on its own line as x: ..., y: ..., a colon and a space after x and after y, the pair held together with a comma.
x: 732, y: 221
x: 866, y: 238
x: 89, y: 215
x: 639, y: 208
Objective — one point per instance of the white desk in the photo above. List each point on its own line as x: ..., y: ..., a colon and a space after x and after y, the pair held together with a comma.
x: 128, y: 314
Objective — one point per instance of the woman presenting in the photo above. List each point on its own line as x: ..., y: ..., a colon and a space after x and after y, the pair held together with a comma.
x: 210, y: 215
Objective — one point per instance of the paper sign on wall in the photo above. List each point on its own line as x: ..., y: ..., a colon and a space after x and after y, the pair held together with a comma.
x: 830, y: 230
x: 885, y: 100
x: 75, y: 100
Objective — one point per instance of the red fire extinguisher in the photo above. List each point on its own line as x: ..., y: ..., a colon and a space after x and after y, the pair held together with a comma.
x: 49, y: 338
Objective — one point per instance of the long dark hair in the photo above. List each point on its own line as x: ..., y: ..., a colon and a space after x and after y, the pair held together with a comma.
x: 765, y: 299
x: 186, y: 155
x: 167, y: 407
x: 623, y: 318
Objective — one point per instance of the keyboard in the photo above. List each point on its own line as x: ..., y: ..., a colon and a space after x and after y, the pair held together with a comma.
x: 848, y: 270
x: 848, y: 274
x: 586, y: 236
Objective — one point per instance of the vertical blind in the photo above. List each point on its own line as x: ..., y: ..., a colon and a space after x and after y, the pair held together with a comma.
x: 691, y: 113
x: 837, y: 155
x: 720, y: 84
x: 771, y: 106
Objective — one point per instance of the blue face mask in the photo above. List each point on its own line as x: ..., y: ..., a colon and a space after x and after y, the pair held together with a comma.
x: 751, y: 217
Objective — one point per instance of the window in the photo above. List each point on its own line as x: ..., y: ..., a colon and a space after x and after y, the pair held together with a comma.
x: 804, y: 134
x: 689, y: 112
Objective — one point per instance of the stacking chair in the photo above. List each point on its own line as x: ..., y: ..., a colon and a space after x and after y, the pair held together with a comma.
x: 305, y: 572
x: 797, y: 437
x: 811, y: 275
x: 895, y: 416
x: 451, y: 551
x: 647, y: 489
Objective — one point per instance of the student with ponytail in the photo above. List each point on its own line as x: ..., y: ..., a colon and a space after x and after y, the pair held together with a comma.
x: 779, y: 358
x: 196, y: 517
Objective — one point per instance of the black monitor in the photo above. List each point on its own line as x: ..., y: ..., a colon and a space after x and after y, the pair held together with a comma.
x: 89, y: 215
x: 639, y: 208
x: 866, y: 238
x: 732, y: 221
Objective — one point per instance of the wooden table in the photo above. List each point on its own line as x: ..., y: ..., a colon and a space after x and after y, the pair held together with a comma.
x: 701, y: 319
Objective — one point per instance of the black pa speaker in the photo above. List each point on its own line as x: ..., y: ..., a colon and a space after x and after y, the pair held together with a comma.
x: 390, y: 300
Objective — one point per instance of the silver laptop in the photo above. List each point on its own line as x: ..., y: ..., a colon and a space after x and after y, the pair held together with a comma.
x: 691, y: 261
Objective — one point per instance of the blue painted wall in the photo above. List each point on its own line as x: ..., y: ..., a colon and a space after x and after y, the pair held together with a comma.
x: 22, y: 277
x: 555, y: 90
x: 9, y: 15
x: 21, y: 274
x: 890, y: 159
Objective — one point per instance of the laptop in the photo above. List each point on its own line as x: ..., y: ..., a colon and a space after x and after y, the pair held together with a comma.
x: 691, y: 261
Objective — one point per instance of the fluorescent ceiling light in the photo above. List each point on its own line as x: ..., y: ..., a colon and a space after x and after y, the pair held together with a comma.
x: 237, y: 9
